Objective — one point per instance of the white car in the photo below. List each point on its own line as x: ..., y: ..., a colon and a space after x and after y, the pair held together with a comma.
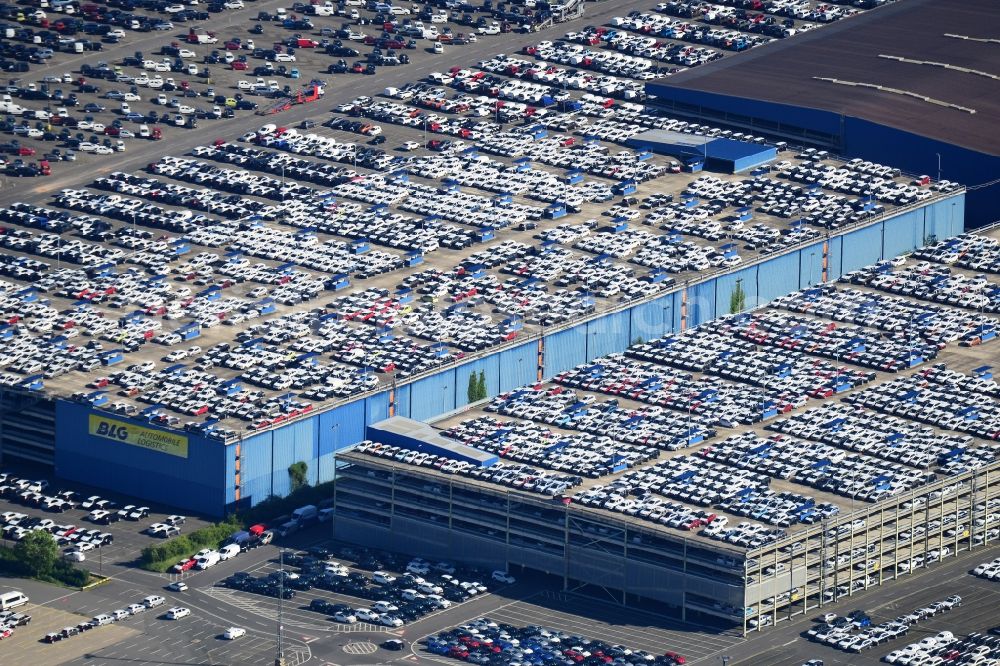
x: 177, y: 586
x: 390, y: 621
x: 366, y: 615
x: 153, y: 601
x: 135, y: 609
x: 173, y: 9
x: 383, y: 578
x: 177, y: 612
x: 346, y: 618
x: 410, y: 145
x: 503, y: 577
x: 232, y: 633
x: 187, y: 53
x: 74, y: 556
x: 284, y: 57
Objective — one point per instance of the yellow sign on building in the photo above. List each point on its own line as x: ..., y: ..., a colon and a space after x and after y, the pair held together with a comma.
x: 136, y: 435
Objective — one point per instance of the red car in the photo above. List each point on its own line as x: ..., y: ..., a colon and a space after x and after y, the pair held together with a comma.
x: 239, y: 65
x: 674, y: 657
x: 186, y: 565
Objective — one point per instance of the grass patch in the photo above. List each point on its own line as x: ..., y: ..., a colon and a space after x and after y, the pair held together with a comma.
x: 164, y: 555
x: 60, y: 572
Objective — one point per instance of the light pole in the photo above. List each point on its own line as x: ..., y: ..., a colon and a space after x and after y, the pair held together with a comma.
x: 319, y: 477
x: 279, y: 659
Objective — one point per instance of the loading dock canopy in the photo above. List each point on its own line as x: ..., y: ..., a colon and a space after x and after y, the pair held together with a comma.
x: 720, y: 154
x: 418, y: 436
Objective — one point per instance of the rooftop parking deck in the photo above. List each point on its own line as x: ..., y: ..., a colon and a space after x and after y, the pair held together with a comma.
x: 656, y: 436
x: 383, y: 307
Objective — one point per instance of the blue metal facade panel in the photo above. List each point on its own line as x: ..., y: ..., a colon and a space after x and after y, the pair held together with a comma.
x: 701, y: 303
x: 919, y: 154
x: 326, y: 466
x: 489, y: 366
x: 196, y: 482
x: 775, y: 275
x: 821, y: 121
x: 810, y: 266
x: 862, y: 248
x: 565, y: 350
x: 518, y: 366
x: 944, y: 218
x: 652, y: 320
x: 835, y: 258
x: 403, y: 400
x: 725, y: 286
x: 903, y: 233
x: 342, y: 426
x: 305, y: 445
x: 608, y: 334
x: 282, y: 456
x: 432, y: 396
x: 230, y: 462
x: 377, y: 407
x: 255, y: 467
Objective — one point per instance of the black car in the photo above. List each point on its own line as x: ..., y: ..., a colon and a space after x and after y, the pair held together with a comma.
x: 321, y: 606
x: 393, y: 644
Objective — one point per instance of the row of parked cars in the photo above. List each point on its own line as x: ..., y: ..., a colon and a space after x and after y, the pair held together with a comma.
x: 485, y: 641
x: 856, y: 632
x: 945, y: 647
x: 988, y: 570
x: 104, y: 619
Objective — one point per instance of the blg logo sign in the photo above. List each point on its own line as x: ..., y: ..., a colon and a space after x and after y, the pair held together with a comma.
x: 164, y: 441
x: 105, y: 429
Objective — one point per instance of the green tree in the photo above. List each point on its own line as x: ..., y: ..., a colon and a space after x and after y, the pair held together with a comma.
x: 297, y: 472
x: 481, y: 391
x: 37, y: 552
x: 737, y: 300
x: 473, y: 390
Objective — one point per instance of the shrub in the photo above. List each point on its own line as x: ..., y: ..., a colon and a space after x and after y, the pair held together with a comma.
x: 164, y: 555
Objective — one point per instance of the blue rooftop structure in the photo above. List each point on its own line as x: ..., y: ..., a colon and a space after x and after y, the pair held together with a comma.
x: 720, y: 154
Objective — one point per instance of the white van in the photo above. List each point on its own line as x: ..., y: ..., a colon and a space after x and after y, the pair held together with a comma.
x: 208, y: 560
x: 229, y: 552
x: 305, y: 514
x: 12, y: 599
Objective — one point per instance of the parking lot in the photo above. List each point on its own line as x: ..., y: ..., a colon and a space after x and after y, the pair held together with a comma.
x: 406, y: 251
x: 786, y: 646
x: 125, y: 537
x: 520, y: 206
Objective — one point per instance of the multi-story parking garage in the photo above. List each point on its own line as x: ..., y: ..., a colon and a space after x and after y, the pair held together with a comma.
x: 639, y: 545
x: 398, y: 506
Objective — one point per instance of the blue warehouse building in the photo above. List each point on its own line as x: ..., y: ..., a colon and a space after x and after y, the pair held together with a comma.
x: 894, y: 86
x: 697, y: 152
x: 211, y: 474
